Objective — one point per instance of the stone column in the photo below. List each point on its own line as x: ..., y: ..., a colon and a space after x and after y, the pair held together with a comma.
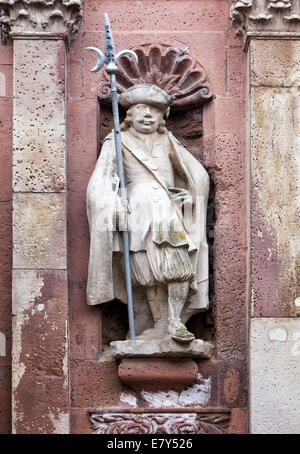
x: 271, y: 29
x: 41, y: 32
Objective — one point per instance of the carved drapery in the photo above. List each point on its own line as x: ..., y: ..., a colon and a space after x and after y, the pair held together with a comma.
x: 160, y: 423
x: 40, y: 17
x: 266, y: 18
x: 170, y: 68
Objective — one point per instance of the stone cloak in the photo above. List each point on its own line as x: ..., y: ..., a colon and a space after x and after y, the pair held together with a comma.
x: 105, y: 281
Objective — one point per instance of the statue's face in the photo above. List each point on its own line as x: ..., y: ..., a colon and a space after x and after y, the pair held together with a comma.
x: 145, y: 118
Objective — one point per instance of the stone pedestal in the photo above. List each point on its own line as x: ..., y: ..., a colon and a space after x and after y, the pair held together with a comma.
x: 159, y: 364
x: 165, y: 348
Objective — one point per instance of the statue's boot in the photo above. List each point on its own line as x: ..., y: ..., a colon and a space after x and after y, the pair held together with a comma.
x: 156, y: 298
x: 179, y: 332
x: 177, y: 294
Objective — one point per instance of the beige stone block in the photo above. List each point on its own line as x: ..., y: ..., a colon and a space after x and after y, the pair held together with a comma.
x: 275, y: 174
x: 274, y: 375
x: 166, y: 348
x: 275, y: 63
x: 39, y: 231
x: 39, y: 116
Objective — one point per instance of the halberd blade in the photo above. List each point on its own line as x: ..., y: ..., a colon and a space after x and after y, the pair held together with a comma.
x: 101, y: 59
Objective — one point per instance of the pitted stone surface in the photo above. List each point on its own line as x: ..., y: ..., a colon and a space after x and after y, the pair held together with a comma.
x: 6, y: 108
x: 275, y: 166
x: 275, y: 369
x: 39, y: 116
x: 167, y: 348
x: 40, y: 352
x: 207, y: 32
x: 281, y: 69
x: 39, y: 231
x: 159, y: 373
x: 167, y: 16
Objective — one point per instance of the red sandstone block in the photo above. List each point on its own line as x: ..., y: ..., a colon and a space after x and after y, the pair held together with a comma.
x: 235, y: 347
x: 5, y: 236
x: 5, y: 318
x: 85, y: 321
x: 94, y: 384
x: 209, y: 370
x: 230, y: 262
x: 171, y: 15
x: 236, y: 60
x: 40, y: 310
x: 233, y: 382
x: 229, y: 161
x: 74, y: 67
x: 228, y: 115
x: 40, y: 346
x: 234, y: 39
x: 6, y: 54
x: 231, y: 385
x: 209, y: 49
x: 79, y: 244
x: 5, y: 280
x: 80, y: 421
x: 238, y: 421
x: 6, y: 80
x: 208, y: 152
x: 158, y: 373
x: 6, y: 110
x: 209, y: 118
x: 6, y: 164
x: 83, y: 128
x: 48, y: 297
x: 82, y: 148
x: 5, y: 399
x: 41, y: 404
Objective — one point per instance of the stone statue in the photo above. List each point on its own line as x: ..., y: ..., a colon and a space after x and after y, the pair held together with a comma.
x: 167, y: 192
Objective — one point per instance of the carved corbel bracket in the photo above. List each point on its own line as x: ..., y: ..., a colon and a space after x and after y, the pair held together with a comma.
x: 40, y: 18
x: 266, y: 19
x: 161, y: 421
x: 170, y: 68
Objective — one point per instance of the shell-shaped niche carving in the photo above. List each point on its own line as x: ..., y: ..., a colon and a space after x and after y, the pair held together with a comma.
x: 170, y: 68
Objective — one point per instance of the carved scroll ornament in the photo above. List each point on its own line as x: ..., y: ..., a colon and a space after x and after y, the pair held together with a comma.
x: 159, y: 423
x: 171, y: 69
x: 273, y: 18
x: 40, y: 17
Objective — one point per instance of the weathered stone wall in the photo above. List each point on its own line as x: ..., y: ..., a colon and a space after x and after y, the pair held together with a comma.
x: 275, y: 185
x: 44, y: 374
x: 40, y: 339
x: 39, y: 300
x: 60, y: 374
x: 271, y: 31
x: 205, y: 27
x: 6, y: 107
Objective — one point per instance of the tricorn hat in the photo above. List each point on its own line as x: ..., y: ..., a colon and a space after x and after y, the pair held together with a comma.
x: 145, y: 94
